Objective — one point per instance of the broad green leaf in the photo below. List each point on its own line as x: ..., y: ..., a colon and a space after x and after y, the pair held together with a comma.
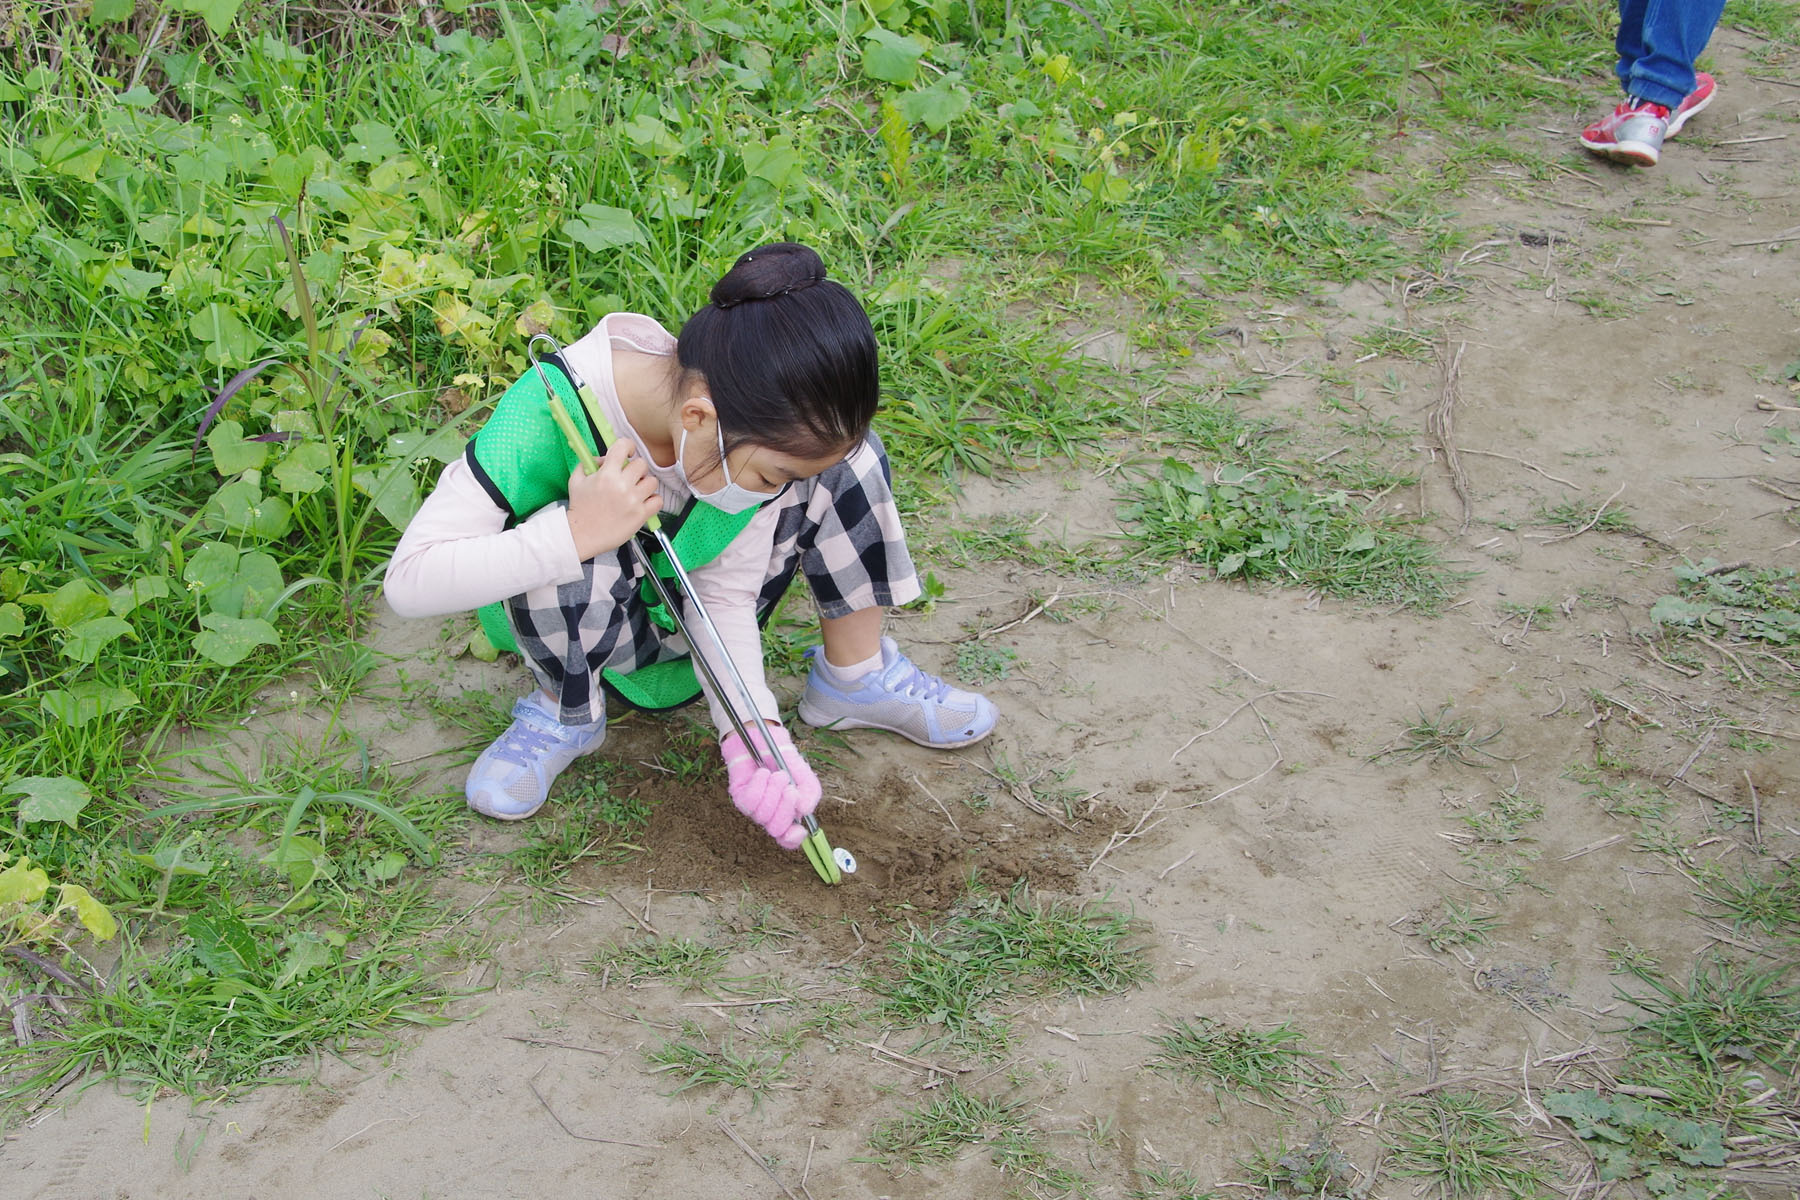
x: 229, y: 342
x: 597, y: 227
x: 212, y: 565
x: 445, y: 445
x: 481, y: 648
x: 938, y: 105
x: 777, y: 163
x: 537, y: 318
x: 222, y: 942
x: 93, y: 915
x: 87, y: 701
x: 244, y: 509
x: 1230, y: 565
x: 388, y: 867
x: 233, y: 583
x: 228, y: 641
x: 1364, y: 540
x: 127, y: 597
x: 301, y: 469
x: 650, y: 137
x: 255, y: 587
x: 22, y: 883
x: 89, y: 638
x: 391, y: 490
x: 132, y: 283
x: 374, y: 142
x: 307, y: 952
x: 111, y: 10
x: 889, y: 57
x: 50, y: 798
x: 1106, y: 187
x: 232, y: 453
x: 12, y: 620
x: 74, y: 602
x: 217, y: 14
x: 673, y: 201
x: 69, y: 153
x: 173, y: 860
x: 1673, y: 610
x: 302, y: 859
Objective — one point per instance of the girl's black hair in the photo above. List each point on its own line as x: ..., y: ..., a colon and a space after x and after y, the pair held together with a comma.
x: 788, y: 355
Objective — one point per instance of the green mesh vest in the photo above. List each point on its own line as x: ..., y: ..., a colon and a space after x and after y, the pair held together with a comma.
x: 523, y: 455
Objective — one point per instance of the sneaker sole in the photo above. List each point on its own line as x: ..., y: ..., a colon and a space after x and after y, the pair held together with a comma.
x: 855, y: 723
x: 1636, y: 154
x: 494, y: 816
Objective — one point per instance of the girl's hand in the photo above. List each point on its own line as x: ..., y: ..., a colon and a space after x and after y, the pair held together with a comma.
x: 613, y: 503
x: 774, y: 800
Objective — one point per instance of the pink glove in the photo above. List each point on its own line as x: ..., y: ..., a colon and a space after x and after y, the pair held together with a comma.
x: 774, y: 800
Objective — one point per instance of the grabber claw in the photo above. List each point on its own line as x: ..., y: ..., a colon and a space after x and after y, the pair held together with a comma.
x: 820, y: 854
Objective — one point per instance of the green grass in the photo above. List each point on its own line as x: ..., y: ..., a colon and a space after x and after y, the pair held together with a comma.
x: 680, y: 961
x: 956, y: 1120
x: 959, y: 976
x: 1169, y: 1182
x: 1570, y: 515
x: 1467, y: 1144
x: 978, y: 663
x: 1768, y: 906
x: 696, y: 1062
x: 1756, y: 610
x: 1726, y: 1012
x: 1269, y: 523
x: 591, y: 822
x: 1451, y: 924
x: 1272, y: 1062
x: 1440, y: 738
x: 239, y: 1002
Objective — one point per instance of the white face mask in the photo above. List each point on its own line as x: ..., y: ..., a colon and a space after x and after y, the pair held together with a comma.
x: 732, y: 498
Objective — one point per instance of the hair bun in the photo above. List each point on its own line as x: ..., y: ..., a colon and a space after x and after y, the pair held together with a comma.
x: 769, y: 271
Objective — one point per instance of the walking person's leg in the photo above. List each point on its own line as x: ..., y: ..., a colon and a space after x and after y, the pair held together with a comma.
x: 1657, y: 44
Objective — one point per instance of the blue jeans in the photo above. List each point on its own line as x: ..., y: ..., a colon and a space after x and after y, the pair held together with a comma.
x: 1658, y: 42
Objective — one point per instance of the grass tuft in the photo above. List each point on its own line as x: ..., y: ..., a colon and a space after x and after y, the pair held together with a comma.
x: 1439, y: 738
x: 697, y: 1063
x: 1467, y: 1144
x: 1271, y: 1062
x: 958, y: 975
x: 675, y: 960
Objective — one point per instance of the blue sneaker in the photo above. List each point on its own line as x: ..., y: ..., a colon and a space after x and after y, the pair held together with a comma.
x: 899, y: 698
x: 512, y: 778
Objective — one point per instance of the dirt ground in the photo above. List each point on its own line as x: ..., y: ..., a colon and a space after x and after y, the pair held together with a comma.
x: 1222, y: 750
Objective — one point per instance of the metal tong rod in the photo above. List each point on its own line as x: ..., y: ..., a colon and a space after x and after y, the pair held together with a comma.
x: 654, y: 524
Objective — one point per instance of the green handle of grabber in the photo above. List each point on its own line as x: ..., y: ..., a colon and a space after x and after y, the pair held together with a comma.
x: 818, y: 852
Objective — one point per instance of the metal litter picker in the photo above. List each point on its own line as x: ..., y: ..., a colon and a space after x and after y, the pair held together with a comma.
x: 832, y: 865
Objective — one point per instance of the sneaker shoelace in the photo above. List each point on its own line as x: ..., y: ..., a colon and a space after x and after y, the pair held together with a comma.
x: 525, y: 745
x: 917, y: 683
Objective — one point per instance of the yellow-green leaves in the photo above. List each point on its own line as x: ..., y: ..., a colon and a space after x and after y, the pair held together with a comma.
x: 22, y: 916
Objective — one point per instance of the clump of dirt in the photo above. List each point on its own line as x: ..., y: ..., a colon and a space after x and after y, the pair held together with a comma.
x: 911, y: 864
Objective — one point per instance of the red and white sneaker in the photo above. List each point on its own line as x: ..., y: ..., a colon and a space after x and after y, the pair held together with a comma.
x: 1635, y: 131
x: 1693, y: 102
